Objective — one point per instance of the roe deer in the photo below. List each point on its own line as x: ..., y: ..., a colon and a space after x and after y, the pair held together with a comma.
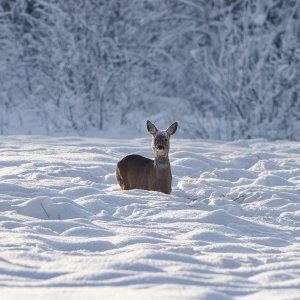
x: 138, y: 172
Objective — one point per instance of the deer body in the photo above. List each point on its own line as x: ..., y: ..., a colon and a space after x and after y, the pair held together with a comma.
x: 138, y: 172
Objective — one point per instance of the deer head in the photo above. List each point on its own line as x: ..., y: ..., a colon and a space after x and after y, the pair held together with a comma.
x: 161, y: 139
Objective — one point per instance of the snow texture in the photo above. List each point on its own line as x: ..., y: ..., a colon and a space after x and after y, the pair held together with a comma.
x: 228, y: 230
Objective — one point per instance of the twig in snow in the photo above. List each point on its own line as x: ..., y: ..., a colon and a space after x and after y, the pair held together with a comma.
x: 45, y: 210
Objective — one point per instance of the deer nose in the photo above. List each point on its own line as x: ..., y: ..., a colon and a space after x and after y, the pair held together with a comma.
x: 160, y: 147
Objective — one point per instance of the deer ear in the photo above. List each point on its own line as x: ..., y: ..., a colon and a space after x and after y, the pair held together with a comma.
x: 151, y: 128
x: 172, y: 129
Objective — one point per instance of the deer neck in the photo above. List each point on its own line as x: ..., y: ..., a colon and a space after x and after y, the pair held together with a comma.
x: 162, y: 166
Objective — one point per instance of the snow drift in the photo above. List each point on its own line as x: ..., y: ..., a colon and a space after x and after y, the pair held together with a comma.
x: 229, y: 230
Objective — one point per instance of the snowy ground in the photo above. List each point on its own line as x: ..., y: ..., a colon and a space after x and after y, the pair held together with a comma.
x: 229, y: 230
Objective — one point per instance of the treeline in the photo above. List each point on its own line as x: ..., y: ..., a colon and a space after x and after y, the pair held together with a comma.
x: 224, y: 69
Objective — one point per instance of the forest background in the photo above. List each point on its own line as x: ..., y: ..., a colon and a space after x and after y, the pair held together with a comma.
x: 224, y: 69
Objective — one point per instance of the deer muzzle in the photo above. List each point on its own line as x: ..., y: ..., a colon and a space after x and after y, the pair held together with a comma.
x: 160, y: 147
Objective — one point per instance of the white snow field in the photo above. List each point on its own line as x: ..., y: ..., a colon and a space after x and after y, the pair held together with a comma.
x: 229, y: 230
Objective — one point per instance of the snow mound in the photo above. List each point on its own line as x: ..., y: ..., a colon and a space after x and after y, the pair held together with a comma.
x: 229, y: 229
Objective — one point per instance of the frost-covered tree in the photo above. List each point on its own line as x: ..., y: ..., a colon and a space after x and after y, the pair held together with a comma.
x: 251, y: 61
